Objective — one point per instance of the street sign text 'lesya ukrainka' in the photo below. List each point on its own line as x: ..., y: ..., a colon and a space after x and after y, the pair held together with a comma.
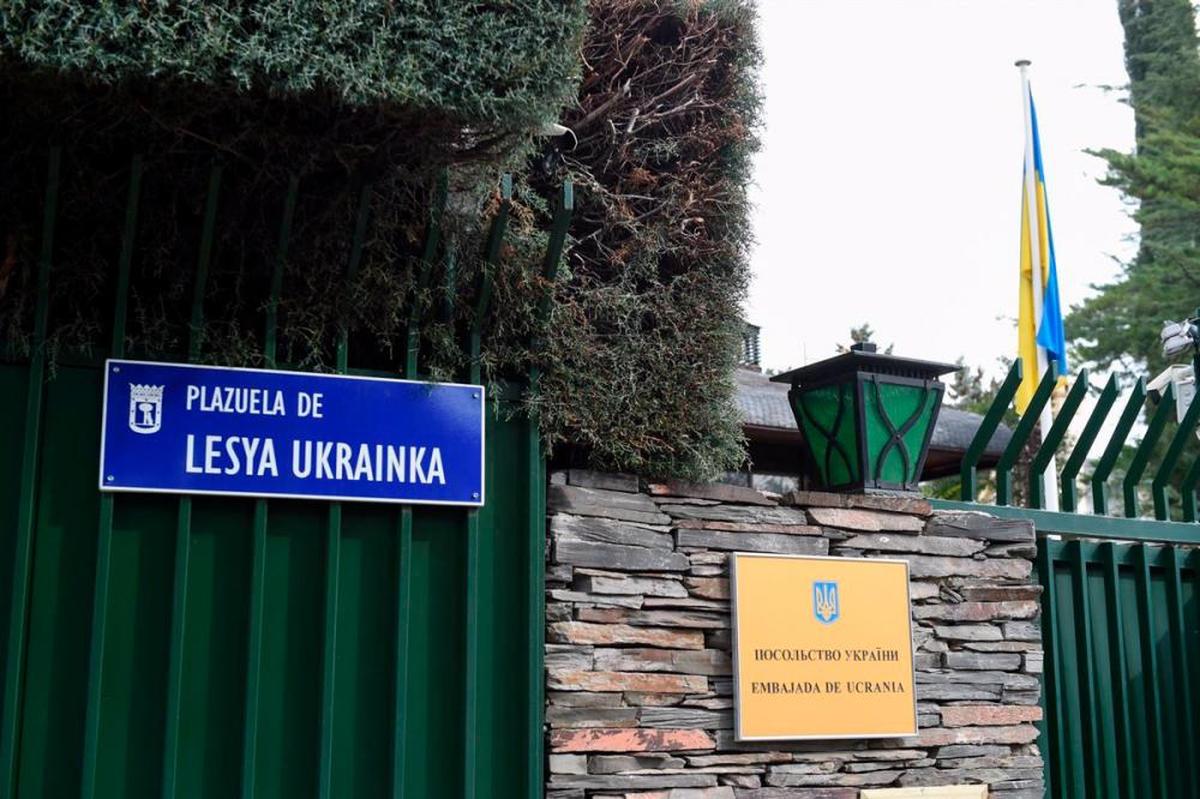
x: 822, y: 648
x: 219, y: 430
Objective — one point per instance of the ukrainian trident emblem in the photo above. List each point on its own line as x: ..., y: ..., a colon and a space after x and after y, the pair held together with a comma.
x: 145, y: 408
x: 825, y: 601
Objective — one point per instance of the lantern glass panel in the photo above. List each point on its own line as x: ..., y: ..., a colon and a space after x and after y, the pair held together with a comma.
x: 897, y: 422
x: 828, y: 418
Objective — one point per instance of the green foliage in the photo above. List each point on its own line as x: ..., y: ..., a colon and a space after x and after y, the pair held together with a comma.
x: 863, y: 334
x: 383, y: 94
x: 971, y: 390
x: 646, y: 330
x: 1120, y: 324
x: 506, y: 66
x: 637, y: 360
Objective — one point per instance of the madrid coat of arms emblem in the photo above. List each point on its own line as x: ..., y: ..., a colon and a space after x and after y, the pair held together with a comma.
x: 145, y: 408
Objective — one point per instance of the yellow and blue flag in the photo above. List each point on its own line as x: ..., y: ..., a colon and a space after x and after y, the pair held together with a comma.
x: 1039, y: 321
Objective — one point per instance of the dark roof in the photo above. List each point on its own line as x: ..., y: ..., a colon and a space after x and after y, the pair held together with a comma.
x: 764, y: 404
x: 865, y: 360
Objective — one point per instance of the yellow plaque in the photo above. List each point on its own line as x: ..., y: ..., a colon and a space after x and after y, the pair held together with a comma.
x: 822, y: 648
x: 942, y: 792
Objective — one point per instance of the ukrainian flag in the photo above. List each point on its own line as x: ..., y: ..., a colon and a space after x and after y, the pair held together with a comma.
x: 1039, y: 321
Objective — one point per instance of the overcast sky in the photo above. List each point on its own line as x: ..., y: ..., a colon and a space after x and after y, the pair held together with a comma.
x: 888, y: 186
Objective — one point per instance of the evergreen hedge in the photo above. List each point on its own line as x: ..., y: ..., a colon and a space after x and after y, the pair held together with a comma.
x: 492, y: 66
x: 638, y: 356
x: 647, y: 329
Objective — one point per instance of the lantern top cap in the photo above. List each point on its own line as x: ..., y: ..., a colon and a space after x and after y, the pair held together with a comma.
x: 864, y: 358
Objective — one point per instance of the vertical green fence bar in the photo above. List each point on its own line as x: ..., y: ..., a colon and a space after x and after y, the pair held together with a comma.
x: 1083, y: 446
x: 334, y: 531
x: 183, y: 530
x: 1054, y: 437
x: 14, y: 668
x: 125, y: 259
x: 537, y: 510
x: 491, y: 260
x: 1181, y: 657
x: 1141, y: 456
x: 1182, y: 435
x: 968, y: 486
x: 96, y: 656
x: 471, y: 730
x: 404, y: 548
x: 1158, y: 742
x: 474, y: 575
x: 471, y: 626
x: 1104, y: 467
x: 1022, y: 433
x: 258, y: 557
x: 1117, y: 622
x: 1188, y: 491
x: 1055, y: 770
x: 1089, y: 699
x: 400, y: 679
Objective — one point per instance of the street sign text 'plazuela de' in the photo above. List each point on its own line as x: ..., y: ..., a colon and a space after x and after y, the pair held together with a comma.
x: 822, y: 648
x: 181, y: 428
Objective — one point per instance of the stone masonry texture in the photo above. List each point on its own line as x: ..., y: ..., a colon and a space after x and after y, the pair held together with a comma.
x: 639, y: 687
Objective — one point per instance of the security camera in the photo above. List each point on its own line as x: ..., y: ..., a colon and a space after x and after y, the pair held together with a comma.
x: 1179, y: 337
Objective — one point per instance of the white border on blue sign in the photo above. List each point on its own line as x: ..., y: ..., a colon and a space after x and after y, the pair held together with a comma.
x: 108, y: 363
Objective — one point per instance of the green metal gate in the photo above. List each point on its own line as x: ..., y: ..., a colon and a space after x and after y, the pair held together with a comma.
x: 1121, y: 635
x: 1121, y: 625
x: 218, y: 647
x: 1120, y: 595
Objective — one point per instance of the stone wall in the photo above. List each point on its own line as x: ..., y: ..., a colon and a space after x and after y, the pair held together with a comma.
x: 638, y: 633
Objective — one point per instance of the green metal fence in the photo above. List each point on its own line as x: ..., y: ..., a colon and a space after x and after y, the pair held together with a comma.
x: 1121, y: 594
x: 1121, y: 634
x: 1136, y: 403
x: 217, y: 647
x: 1121, y: 624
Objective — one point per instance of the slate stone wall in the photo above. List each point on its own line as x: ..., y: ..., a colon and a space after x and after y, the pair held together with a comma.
x: 638, y: 633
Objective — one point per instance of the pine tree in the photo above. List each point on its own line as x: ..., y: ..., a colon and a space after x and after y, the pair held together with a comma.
x: 1120, y: 324
x: 863, y: 334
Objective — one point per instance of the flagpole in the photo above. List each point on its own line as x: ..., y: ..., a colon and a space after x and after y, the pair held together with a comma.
x: 1046, y: 418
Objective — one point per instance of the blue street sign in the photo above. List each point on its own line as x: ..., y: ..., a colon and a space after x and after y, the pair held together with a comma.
x: 187, y: 429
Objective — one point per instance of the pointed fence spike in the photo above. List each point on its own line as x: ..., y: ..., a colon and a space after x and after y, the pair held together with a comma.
x: 1162, y: 508
x: 1188, y: 489
x: 490, y: 260
x: 987, y: 428
x: 1054, y: 437
x: 433, y: 236
x: 554, y: 251
x: 1141, y: 458
x: 1022, y: 433
x: 1083, y: 446
x: 1104, y: 467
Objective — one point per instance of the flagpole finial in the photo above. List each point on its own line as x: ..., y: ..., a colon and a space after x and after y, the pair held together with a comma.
x: 1022, y: 62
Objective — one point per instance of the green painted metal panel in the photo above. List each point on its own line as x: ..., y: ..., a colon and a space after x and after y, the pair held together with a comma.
x: 133, y: 708
x: 1121, y: 624
x: 210, y: 711
x: 12, y: 407
x: 156, y: 646
x: 51, y: 729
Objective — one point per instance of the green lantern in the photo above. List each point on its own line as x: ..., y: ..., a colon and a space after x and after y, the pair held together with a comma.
x: 867, y: 417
